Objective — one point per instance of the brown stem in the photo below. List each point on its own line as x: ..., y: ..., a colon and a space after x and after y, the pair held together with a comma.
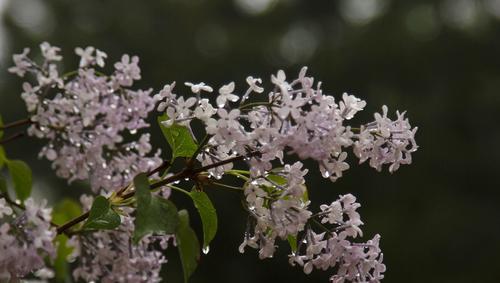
x: 11, y: 138
x: 186, y: 173
x: 15, y: 124
x: 72, y: 222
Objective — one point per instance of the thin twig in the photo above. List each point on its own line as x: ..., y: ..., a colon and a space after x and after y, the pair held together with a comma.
x: 186, y: 173
x: 11, y: 138
x: 15, y: 124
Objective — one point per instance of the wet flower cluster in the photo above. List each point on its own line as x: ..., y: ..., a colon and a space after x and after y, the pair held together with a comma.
x: 26, y: 240
x: 85, y: 116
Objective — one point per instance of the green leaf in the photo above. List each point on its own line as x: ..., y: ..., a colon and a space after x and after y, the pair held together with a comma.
x: 189, y: 247
x: 280, y: 180
x: 21, y: 177
x: 154, y: 214
x: 101, y: 216
x: 61, y: 265
x: 179, y: 138
x: 292, y: 241
x: 208, y: 216
x: 3, y: 157
x: 64, y: 211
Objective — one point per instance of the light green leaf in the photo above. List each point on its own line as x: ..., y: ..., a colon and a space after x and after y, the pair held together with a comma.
x: 208, y: 215
x: 65, y: 210
x: 280, y: 180
x: 292, y: 241
x: 61, y: 265
x: 21, y: 177
x: 154, y: 214
x: 102, y: 216
x: 179, y: 138
x: 189, y: 247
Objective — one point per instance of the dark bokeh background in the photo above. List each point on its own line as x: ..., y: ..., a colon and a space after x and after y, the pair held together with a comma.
x: 440, y: 60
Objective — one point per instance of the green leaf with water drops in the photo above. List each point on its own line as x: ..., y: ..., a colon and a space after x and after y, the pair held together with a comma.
x: 154, y: 214
x: 189, y: 247
x: 208, y: 216
x: 102, y: 216
x: 179, y: 138
x: 21, y: 178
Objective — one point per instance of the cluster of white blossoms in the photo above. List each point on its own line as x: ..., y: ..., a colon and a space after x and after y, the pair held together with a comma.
x: 110, y: 256
x: 296, y: 118
x: 26, y: 241
x: 356, y: 262
x: 85, y: 115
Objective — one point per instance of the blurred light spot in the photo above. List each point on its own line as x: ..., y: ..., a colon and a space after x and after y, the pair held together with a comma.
x: 33, y: 16
x: 211, y: 40
x: 422, y: 22
x: 493, y: 7
x: 299, y: 43
x: 255, y: 7
x: 461, y: 14
x: 362, y: 11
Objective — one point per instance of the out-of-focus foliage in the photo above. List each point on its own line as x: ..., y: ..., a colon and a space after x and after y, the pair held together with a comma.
x: 439, y: 60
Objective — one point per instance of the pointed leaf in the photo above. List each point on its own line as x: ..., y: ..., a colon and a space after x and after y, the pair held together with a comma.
x: 21, y: 177
x: 154, y: 214
x: 179, y: 138
x: 102, y: 216
x: 208, y: 215
x: 189, y: 247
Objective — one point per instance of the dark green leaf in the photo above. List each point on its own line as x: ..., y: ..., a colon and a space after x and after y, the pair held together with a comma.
x: 21, y: 177
x: 208, y: 216
x: 102, y: 216
x: 189, y: 247
x: 179, y: 138
x: 3, y: 158
x: 154, y: 214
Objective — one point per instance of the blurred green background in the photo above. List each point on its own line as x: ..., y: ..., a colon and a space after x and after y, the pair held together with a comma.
x: 440, y: 60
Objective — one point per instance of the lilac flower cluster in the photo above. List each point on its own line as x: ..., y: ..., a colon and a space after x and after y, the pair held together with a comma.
x: 84, y: 115
x: 297, y: 118
x: 26, y: 241
x: 356, y: 262
x: 110, y: 256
